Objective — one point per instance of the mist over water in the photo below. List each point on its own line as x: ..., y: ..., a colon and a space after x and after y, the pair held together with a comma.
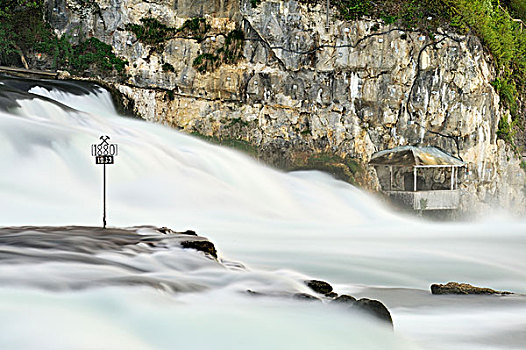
x: 283, y: 227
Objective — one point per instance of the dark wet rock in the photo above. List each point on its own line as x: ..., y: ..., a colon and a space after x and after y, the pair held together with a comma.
x: 345, y: 299
x: 255, y: 294
x: 203, y: 246
x: 331, y: 295
x: 370, y: 306
x: 319, y: 286
x: 81, y: 239
x: 166, y: 230
x: 375, y: 308
x: 463, y: 288
x: 305, y: 296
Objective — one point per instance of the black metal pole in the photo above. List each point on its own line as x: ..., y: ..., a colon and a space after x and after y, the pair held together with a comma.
x: 104, y: 196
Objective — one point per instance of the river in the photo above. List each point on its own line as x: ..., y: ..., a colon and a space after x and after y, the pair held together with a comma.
x: 282, y: 227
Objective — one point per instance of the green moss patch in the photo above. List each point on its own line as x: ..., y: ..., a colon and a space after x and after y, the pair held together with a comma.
x: 240, y: 145
x: 152, y: 32
x: 344, y: 168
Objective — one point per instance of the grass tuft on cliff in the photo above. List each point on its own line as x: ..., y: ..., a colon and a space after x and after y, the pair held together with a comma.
x: 230, y: 53
x: 151, y: 31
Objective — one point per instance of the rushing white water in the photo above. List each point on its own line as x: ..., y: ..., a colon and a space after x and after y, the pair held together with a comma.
x: 285, y: 227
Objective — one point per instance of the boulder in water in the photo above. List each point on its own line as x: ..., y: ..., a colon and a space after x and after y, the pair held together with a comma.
x: 203, y: 246
x: 375, y: 308
x: 320, y: 287
x: 305, y: 296
x: 370, y: 306
x: 463, y: 288
x: 345, y: 299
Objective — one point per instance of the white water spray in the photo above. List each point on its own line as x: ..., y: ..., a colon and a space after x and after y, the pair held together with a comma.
x: 305, y: 222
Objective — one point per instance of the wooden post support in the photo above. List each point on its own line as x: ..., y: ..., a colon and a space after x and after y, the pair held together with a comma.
x: 390, y: 177
x: 452, y: 178
x: 414, y: 175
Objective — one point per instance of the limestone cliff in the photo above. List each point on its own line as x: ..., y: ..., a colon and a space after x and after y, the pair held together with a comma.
x: 302, y: 87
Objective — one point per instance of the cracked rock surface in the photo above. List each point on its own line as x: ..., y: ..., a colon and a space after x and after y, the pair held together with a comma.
x: 351, y: 89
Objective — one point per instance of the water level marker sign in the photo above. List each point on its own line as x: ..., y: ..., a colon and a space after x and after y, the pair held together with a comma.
x: 104, y: 153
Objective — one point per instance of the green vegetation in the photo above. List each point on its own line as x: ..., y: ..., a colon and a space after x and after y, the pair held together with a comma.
x: 167, y: 67
x: 505, y: 131
x: 239, y: 145
x: 499, y: 24
x: 170, y: 95
x: 523, y: 165
x: 354, y: 9
x: 255, y: 3
x: 206, y: 62
x: 24, y: 34
x: 195, y: 28
x: 237, y: 121
x: 346, y: 169
x: 230, y: 53
x: 517, y: 8
x: 152, y: 32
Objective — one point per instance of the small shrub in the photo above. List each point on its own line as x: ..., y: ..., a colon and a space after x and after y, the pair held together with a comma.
x: 195, y: 28
x: 170, y: 95
x: 94, y: 53
x: 230, y: 53
x: 155, y: 33
x: 255, y: 3
x: 151, y: 31
x: 24, y: 32
x: 507, y: 92
x: 353, y: 9
x: 388, y: 18
x: 206, y: 62
x: 504, y: 131
x: 167, y: 67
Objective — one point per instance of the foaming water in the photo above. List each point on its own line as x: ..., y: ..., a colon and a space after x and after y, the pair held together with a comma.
x: 291, y: 225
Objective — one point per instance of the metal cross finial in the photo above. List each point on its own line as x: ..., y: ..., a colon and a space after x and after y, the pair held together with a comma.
x: 105, y: 138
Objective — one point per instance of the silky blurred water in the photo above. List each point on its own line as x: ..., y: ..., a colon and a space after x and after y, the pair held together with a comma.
x: 284, y: 226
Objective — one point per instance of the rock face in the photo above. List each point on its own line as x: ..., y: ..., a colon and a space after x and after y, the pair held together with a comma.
x: 462, y: 288
x: 350, y: 89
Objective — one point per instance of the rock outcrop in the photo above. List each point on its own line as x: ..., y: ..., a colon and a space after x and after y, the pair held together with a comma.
x: 301, y: 88
x: 321, y: 287
x: 462, y: 288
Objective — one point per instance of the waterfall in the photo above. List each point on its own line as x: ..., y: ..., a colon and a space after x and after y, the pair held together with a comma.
x: 285, y: 227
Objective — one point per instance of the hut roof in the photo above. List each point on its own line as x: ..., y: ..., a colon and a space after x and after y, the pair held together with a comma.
x: 414, y: 156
